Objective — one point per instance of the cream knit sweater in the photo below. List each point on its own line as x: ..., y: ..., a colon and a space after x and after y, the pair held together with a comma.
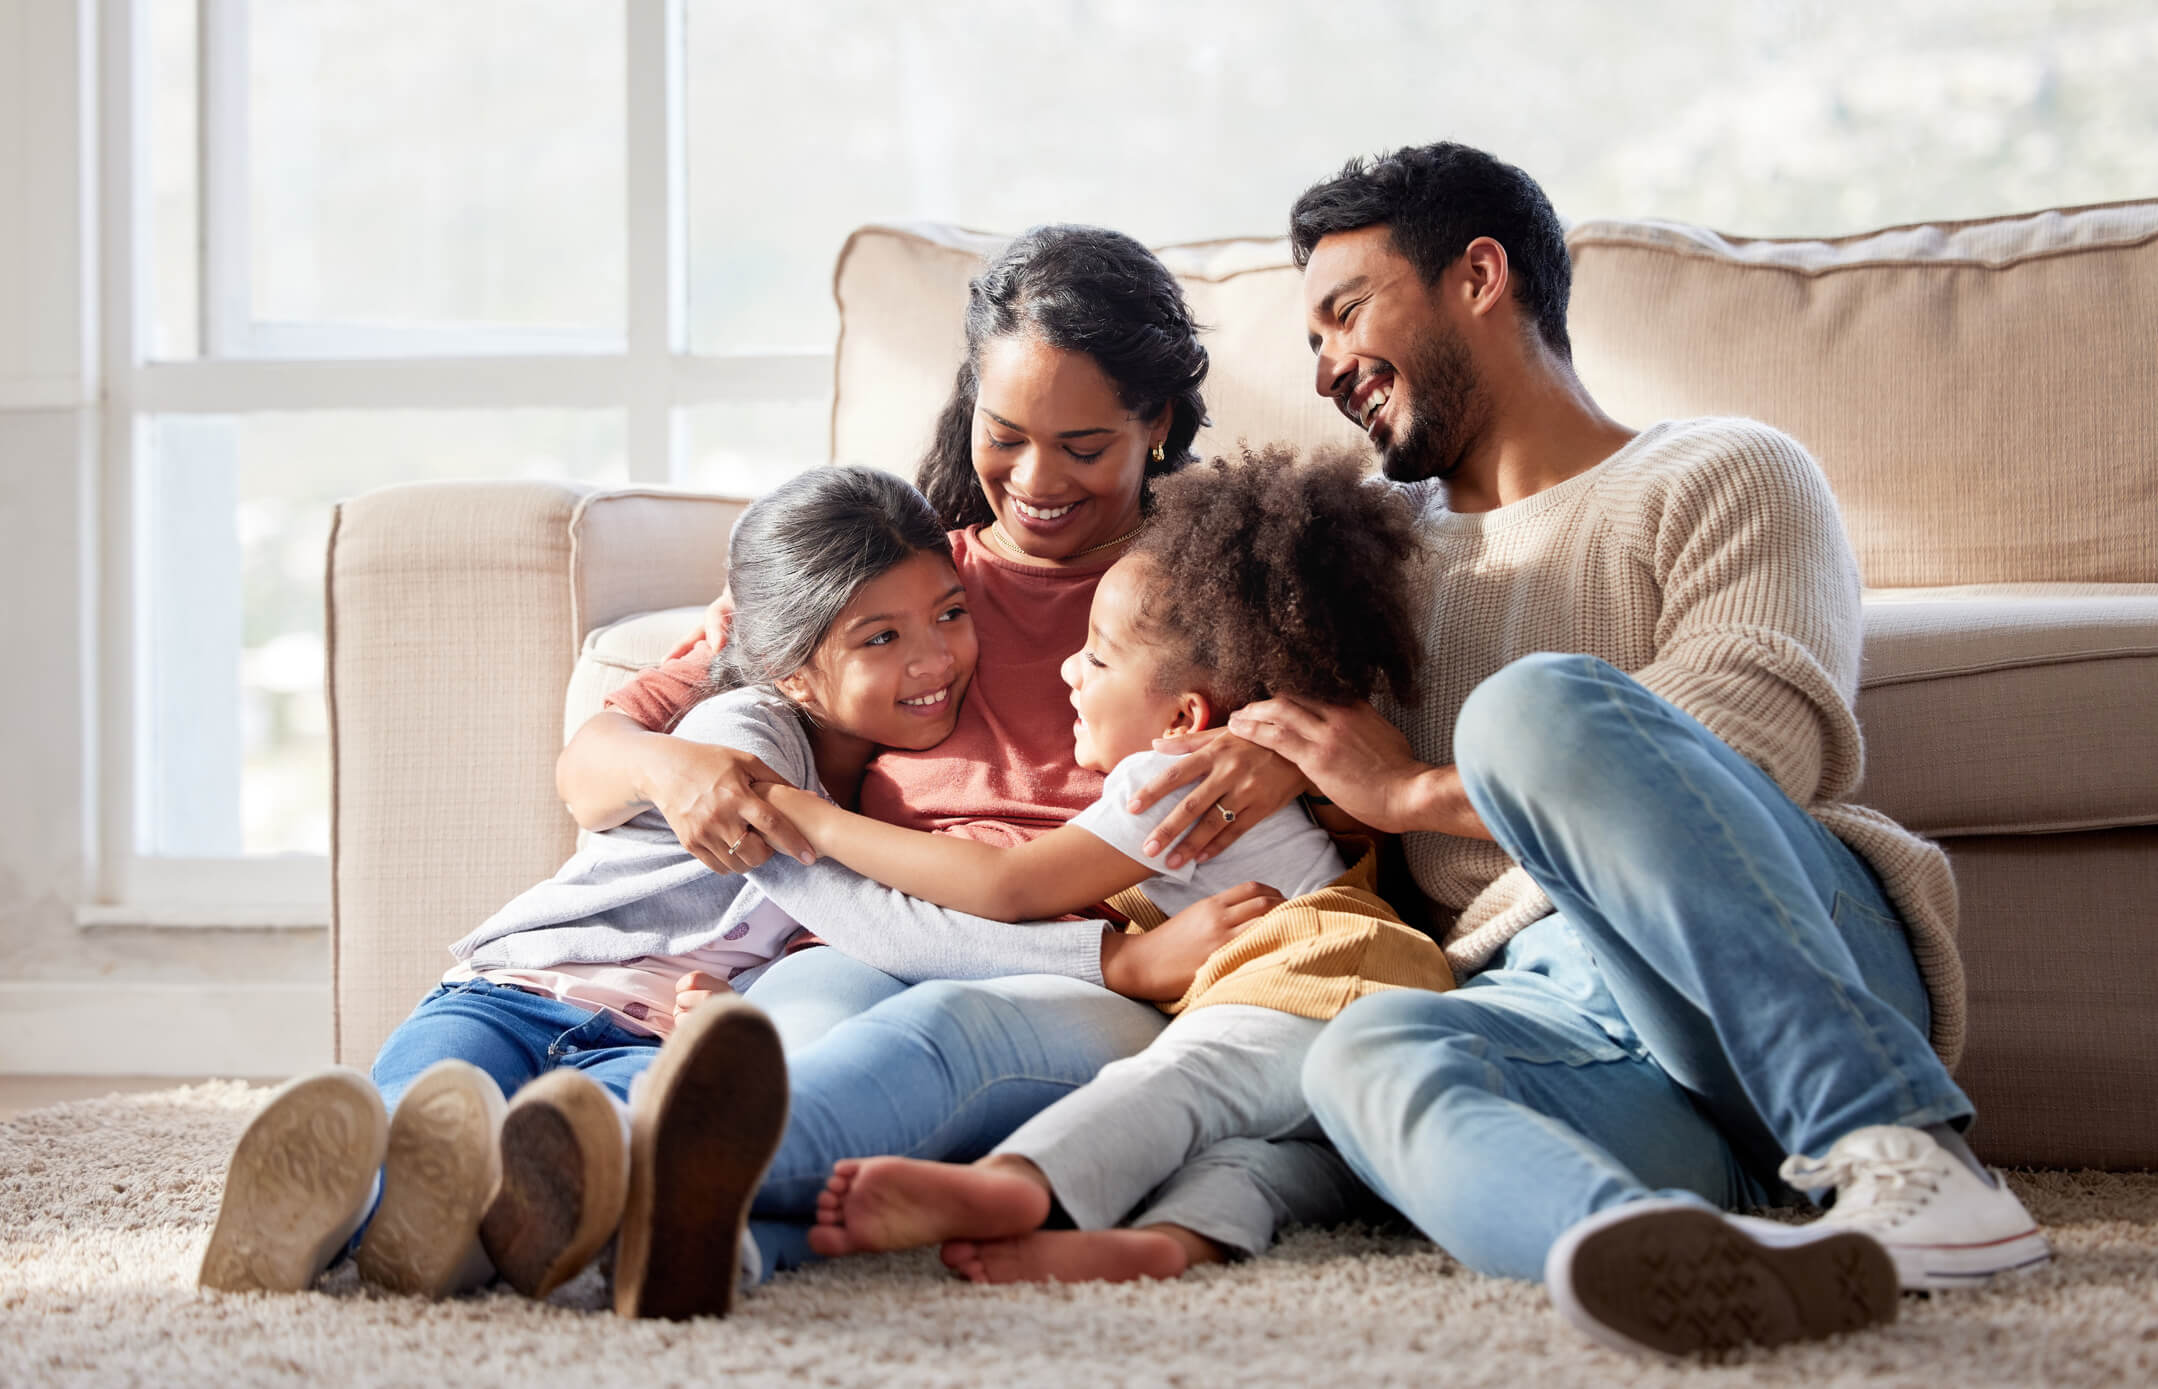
x: 1707, y: 560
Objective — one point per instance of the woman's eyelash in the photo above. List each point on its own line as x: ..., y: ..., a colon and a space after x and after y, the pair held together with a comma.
x: 1086, y: 457
x: 996, y: 443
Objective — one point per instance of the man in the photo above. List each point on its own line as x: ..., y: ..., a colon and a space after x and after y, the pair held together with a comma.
x: 1686, y: 963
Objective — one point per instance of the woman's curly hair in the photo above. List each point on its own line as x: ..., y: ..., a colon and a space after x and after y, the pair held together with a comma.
x: 1273, y: 576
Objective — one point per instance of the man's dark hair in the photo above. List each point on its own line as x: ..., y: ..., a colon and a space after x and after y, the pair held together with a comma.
x: 1434, y: 200
x: 1273, y: 576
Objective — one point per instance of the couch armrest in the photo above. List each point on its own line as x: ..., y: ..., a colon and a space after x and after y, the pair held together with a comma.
x: 455, y: 612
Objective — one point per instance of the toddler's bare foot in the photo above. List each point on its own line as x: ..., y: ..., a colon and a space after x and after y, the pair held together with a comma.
x: 1069, y: 1256
x: 899, y: 1203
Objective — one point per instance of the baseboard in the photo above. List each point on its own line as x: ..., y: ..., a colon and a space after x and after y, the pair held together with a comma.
x: 100, y: 1027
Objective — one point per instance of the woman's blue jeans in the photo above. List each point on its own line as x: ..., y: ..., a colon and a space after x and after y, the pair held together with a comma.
x: 1723, y: 983
x: 942, y: 1070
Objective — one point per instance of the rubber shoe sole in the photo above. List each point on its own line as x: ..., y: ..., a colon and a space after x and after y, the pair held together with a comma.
x: 704, y: 1124
x: 1671, y: 1278
x: 298, y: 1184
x: 1929, y: 1267
x: 438, y: 1176
x: 565, y: 1173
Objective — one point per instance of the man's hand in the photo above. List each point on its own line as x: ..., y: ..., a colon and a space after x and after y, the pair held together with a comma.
x: 1361, y: 763
x: 709, y: 799
x: 717, y: 619
x: 695, y: 987
x: 1240, y: 777
x: 1158, y: 966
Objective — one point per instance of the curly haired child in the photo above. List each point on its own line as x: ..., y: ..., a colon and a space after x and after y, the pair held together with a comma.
x: 1259, y: 577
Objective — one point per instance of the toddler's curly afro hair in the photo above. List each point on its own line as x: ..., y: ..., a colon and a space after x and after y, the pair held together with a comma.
x: 1275, y: 576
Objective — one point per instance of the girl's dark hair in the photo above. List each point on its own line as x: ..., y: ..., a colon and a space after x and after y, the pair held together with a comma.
x: 798, y: 556
x: 1275, y: 577
x: 1433, y: 201
x: 1078, y: 289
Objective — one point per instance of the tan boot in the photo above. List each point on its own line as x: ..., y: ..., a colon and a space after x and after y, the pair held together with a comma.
x: 704, y: 1124
x: 565, y: 1173
x: 298, y: 1185
x: 438, y: 1176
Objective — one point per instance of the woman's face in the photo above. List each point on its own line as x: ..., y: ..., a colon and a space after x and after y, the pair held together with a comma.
x: 1059, y: 457
x: 896, y: 661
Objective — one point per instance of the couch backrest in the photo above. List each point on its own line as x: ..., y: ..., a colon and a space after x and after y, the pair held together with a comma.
x: 1984, y: 395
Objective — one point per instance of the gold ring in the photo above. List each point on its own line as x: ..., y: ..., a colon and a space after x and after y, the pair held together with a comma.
x: 1228, y: 816
x: 735, y: 849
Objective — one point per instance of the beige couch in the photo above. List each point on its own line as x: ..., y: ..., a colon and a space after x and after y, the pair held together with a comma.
x: 1984, y: 397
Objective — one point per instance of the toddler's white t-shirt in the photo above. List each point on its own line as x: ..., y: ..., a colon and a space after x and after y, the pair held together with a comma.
x: 1287, y: 851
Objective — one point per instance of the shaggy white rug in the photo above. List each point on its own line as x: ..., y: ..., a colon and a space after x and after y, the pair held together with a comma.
x: 105, y: 1205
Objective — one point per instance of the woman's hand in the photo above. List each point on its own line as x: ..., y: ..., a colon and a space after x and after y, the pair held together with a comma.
x: 695, y: 987
x: 1158, y: 966
x: 1234, y: 775
x: 709, y: 799
x: 717, y: 619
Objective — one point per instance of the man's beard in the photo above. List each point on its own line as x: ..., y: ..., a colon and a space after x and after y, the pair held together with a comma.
x: 1445, y: 412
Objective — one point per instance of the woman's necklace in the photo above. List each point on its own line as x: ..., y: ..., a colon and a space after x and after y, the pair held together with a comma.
x: 1011, y: 547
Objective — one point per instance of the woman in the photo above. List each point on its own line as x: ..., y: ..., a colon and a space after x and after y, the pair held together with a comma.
x: 1081, y: 382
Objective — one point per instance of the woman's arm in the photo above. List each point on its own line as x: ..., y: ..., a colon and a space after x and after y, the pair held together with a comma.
x: 1065, y: 870
x: 615, y: 767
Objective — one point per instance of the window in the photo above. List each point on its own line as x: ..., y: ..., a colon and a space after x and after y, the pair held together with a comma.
x: 351, y: 242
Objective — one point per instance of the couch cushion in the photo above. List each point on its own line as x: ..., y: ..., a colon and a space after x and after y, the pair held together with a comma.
x: 1983, y: 395
x: 2011, y: 710
x: 613, y: 655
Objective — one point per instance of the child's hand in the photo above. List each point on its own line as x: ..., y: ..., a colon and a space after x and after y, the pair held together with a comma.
x: 1159, y: 965
x: 695, y: 987
x: 717, y: 619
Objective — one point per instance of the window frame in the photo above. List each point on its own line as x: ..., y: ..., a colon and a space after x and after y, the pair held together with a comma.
x: 244, y: 366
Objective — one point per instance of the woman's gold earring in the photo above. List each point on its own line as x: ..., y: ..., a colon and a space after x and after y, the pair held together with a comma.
x: 1158, y: 455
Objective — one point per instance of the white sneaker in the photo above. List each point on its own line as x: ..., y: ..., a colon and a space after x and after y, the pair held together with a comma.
x: 1944, y: 1225
x: 440, y: 1172
x: 298, y: 1185
x: 1669, y: 1277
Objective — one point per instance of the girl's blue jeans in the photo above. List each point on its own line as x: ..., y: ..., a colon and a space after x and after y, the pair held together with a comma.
x: 1723, y: 983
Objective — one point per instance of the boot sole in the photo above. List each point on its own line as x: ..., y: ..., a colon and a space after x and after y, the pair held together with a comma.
x: 564, y: 1179
x: 706, y: 1122
x: 439, y: 1174
x: 297, y: 1185
x: 1678, y: 1280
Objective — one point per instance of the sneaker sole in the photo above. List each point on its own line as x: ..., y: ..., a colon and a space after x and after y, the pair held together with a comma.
x: 564, y: 1178
x: 438, y: 1176
x: 703, y: 1129
x: 297, y: 1185
x: 1676, y: 1280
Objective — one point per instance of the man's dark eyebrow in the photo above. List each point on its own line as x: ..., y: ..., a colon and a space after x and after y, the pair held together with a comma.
x: 1326, y: 305
x: 1067, y: 434
x: 868, y: 618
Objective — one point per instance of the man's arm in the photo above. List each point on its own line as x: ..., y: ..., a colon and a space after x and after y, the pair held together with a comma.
x: 1363, y: 764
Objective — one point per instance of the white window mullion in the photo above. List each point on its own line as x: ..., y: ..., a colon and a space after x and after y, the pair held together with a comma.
x: 658, y: 278
x: 125, y: 292
x: 227, y: 296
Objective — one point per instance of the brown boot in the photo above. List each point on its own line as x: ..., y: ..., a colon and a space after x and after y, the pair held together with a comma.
x: 705, y: 1121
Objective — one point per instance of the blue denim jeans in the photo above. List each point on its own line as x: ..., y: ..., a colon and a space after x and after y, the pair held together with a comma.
x: 1723, y: 983
x: 511, y: 1035
x: 943, y: 1070
x: 810, y: 992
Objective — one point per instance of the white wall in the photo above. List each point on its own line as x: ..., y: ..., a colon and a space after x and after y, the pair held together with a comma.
x: 74, y: 999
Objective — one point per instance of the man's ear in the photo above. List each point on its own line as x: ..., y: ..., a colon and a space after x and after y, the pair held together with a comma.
x: 1194, y: 714
x: 1488, y: 277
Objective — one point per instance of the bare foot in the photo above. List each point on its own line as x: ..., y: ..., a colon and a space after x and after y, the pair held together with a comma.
x: 1069, y: 1256
x: 899, y: 1203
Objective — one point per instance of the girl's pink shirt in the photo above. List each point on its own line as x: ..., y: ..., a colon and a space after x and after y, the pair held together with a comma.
x: 1006, y: 773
